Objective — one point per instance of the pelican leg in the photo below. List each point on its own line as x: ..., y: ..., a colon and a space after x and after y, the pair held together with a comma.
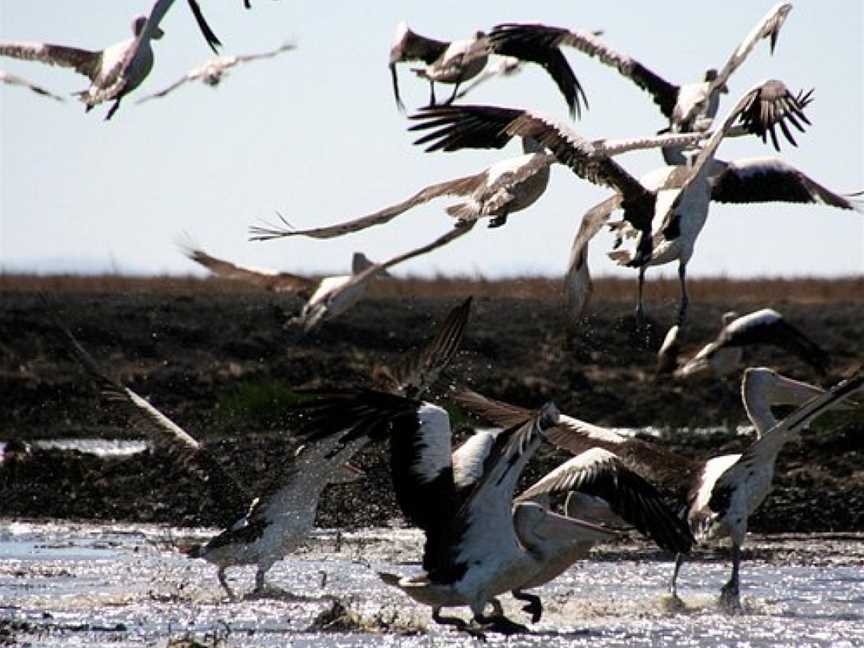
x: 431, y: 92
x: 500, y: 623
x: 534, y: 607
x: 460, y: 624
x: 113, y: 109
x: 730, y: 597
x: 682, y: 279
x: 640, y: 311
x: 673, y: 586
x: 453, y: 96
x: 498, y: 221
x: 224, y: 583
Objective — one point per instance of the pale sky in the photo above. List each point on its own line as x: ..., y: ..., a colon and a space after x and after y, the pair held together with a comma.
x: 315, y: 134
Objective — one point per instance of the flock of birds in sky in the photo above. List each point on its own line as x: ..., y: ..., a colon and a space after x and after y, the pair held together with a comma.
x: 480, y: 542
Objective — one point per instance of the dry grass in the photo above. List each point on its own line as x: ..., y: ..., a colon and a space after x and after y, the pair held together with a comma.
x: 802, y: 290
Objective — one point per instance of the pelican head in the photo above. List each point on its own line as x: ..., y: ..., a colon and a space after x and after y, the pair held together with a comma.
x: 711, y: 76
x: 729, y: 316
x: 138, y: 26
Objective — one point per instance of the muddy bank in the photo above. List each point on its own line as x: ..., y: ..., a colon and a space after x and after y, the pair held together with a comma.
x: 222, y: 365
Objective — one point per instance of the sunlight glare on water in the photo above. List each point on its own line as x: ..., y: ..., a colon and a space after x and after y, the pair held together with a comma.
x: 120, y: 585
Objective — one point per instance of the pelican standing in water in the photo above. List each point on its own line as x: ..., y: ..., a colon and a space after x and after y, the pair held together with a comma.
x: 720, y: 492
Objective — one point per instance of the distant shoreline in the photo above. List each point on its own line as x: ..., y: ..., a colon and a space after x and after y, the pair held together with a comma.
x: 757, y: 290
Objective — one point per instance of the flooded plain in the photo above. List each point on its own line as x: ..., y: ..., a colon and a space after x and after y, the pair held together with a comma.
x: 67, y: 584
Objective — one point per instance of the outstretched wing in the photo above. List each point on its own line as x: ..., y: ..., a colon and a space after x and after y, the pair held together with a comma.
x: 459, y: 187
x: 577, y: 281
x: 665, y: 94
x: 419, y: 371
x: 602, y: 474
x: 525, y: 44
x: 170, y: 88
x: 768, y: 27
x: 270, y: 279
x: 233, y: 498
x: 13, y: 79
x: 770, y: 179
x: 244, y: 58
x: 85, y: 62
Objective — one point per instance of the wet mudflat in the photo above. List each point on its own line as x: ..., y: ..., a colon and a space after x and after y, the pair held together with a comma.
x: 67, y: 584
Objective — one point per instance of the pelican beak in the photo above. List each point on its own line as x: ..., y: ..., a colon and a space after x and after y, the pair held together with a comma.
x: 793, y: 392
x: 348, y: 473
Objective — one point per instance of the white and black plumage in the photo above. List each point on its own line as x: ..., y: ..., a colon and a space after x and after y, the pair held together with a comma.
x: 462, y: 500
x: 457, y: 127
x: 501, y: 189
x: 214, y: 70
x: 762, y: 109
x: 12, y: 79
x: 689, y: 106
x: 627, y: 498
x: 116, y: 70
x: 692, y: 481
x: 723, y: 355
x: 326, y: 298
x: 262, y: 530
x: 732, y: 487
x: 459, y: 61
x: 741, y: 181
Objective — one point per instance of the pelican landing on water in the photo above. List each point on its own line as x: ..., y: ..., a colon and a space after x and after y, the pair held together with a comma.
x: 116, y: 70
x: 720, y: 493
x: 261, y: 530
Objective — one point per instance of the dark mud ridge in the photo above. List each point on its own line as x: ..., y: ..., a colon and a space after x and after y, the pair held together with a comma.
x: 224, y: 367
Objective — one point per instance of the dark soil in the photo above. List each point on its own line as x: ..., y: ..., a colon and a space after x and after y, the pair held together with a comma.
x: 223, y: 366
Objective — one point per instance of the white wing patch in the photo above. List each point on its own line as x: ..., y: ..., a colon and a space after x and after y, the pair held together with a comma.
x: 434, y: 433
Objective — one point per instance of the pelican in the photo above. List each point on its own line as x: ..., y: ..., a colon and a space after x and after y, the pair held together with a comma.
x: 689, y: 106
x: 599, y: 474
x: 721, y: 492
x: 741, y: 181
x: 462, y: 501
x: 263, y: 530
x: 214, y: 70
x: 762, y: 108
x: 116, y: 70
x: 331, y: 302
x: 326, y: 298
x: 459, y: 61
x: 723, y: 355
x: 760, y: 111
x: 12, y: 79
x: 506, y: 187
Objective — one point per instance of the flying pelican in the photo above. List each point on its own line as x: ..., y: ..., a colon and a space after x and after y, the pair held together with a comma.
x: 12, y: 79
x: 214, y: 70
x: 762, y: 108
x: 454, y: 127
x: 116, y: 70
x: 741, y: 181
x: 326, y: 298
x: 263, y: 530
x: 459, y: 61
x: 506, y: 187
x: 691, y: 106
x: 723, y: 354
x: 721, y: 492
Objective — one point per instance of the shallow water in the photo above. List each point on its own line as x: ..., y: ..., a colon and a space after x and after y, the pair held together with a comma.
x: 68, y: 584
